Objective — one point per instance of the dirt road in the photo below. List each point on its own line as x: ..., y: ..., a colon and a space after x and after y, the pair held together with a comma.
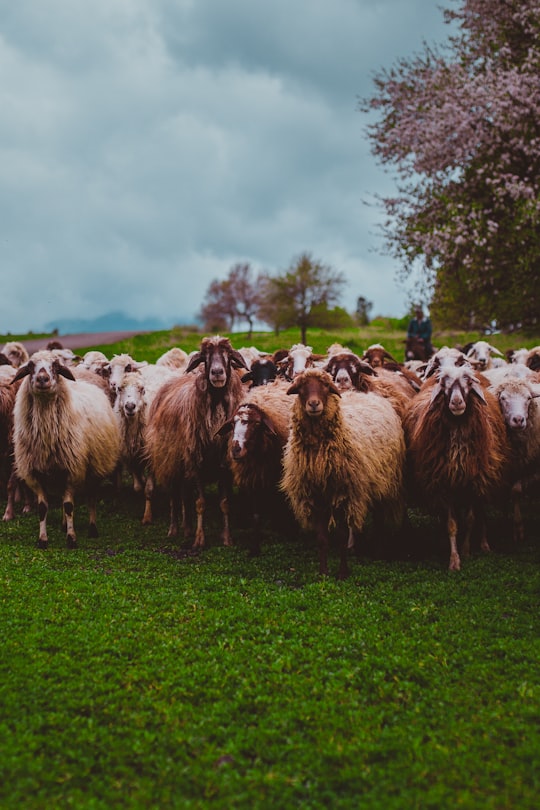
x: 76, y: 342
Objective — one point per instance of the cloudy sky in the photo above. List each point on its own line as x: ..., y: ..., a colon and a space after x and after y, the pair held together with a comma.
x: 149, y: 145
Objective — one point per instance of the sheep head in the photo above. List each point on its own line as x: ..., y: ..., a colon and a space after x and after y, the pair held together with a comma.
x: 44, y: 370
x: 456, y: 384
x: 218, y: 357
x: 314, y: 387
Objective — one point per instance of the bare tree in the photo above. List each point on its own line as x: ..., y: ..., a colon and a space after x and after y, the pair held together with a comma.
x: 301, y: 295
x: 234, y: 299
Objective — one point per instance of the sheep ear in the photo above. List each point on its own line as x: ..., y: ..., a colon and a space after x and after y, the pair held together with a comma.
x: 293, y: 389
x: 64, y: 371
x: 478, y: 390
x: 436, y: 392
x: 334, y: 389
x: 225, y: 428
x: 365, y: 368
x: 237, y: 361
x: 247, y: 377
x: 24, y: 371
x: 496, y: 351
x: 195, y: 361
x: 269, y: 425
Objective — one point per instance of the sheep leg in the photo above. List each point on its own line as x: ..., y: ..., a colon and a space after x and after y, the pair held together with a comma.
x: 343, y: 544
x: 200, y: 504
x: 452, y: 526
x: 469, y: 524
x: 12, y: 487
x: 69, y: 514
x: 147, y: 517
x: 43, y: 508
x: 518, y: 530
x: 225, y: 490
x: 321, y: 533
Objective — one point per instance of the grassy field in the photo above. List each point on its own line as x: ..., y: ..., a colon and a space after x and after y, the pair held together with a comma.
x: 138, y: 674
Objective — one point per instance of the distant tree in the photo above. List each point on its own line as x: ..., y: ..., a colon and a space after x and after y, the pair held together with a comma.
x: 301, y: 295
x: 461, y: 124
x: 363, y: 308
x: 233, y: 299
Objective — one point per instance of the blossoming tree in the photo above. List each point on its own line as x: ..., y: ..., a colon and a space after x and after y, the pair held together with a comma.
x: 461, y: 125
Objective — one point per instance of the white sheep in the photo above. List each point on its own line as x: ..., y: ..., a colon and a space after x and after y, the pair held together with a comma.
x: 481, y: 355
x: 16, y: 353
x: 344, y: 455
x: 65, y: 438
x: 173, y: 358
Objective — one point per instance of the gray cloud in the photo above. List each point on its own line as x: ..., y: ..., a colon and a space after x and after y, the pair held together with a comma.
x: 148, y: 145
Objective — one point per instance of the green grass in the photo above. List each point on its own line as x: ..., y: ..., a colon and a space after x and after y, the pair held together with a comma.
x: 138, y: 674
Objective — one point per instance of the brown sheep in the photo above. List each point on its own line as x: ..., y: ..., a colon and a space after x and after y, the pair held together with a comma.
x: 458, y: 453
x: 257, y: 433
x: 183, y: 420
x: 345, y: 454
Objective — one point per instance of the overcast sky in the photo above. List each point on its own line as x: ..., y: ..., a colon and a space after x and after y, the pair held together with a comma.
x: 149, y: 145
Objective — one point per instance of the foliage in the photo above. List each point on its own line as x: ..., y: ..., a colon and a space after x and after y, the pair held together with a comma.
x: 462, y: 127
x: 301, y: 295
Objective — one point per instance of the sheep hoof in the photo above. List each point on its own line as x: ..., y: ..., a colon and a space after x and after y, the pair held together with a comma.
x: 71, y: 541
x: 92, y: 530
x: 43, y: 544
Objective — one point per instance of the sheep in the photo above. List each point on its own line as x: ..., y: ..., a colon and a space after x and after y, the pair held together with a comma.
x: 350, y: 373
x: 16, y: 353
x: 518, y: 394
x: 130, y: 408
x: 94, y: 360
x: 296, y: 359
x: 13, y: 484
x: 261, y: 372
x: 257, y: 433
x: 175, y: 358
x: 65, y: 439
x: 116, y: 367
x: 480, y: 354
x: 182, y: 424
x: 376, y: 355
x: 458, y: 453
x: 344, y: 454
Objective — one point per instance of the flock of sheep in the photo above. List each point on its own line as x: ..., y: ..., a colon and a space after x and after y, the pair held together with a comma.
x: 333, y: 438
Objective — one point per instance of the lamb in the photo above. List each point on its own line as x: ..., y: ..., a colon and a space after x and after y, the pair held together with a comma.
x: 518, y: 395
x: 65, y: 439
x: 16, y: 353
x: 180, y: 437
x: 12, y: 483
x: 458, y: 453
x: 257, y: 433
x: 345, y: 454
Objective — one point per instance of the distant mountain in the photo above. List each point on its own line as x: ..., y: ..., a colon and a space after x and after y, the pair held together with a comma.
x: 110, y: 322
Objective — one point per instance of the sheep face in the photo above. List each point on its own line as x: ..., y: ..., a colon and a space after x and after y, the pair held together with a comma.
x: 44, y: 370
x: 248, y: 422
x: 349, y: 372
x: 218, y: 357
x: 313, y: 390
x: 480, y: 354
x: 515, y: 402
x: 262, y: 372
x: 456, y: 385
x: 130, y: 398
